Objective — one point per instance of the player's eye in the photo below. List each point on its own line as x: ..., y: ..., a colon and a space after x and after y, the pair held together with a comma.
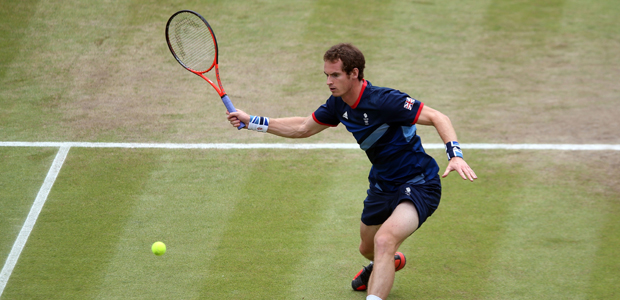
x: 332, y: 75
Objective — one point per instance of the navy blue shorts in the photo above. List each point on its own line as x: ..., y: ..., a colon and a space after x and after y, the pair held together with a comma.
x: 379, y: 205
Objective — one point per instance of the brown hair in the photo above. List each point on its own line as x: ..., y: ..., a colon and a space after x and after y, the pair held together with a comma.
x: 350, y: 56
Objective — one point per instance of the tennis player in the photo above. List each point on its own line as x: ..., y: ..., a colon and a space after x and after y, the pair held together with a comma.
x: 404, y: 184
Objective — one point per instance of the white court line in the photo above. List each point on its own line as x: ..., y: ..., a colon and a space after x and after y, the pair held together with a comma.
x: 567, y: 147
x: 39, y: 201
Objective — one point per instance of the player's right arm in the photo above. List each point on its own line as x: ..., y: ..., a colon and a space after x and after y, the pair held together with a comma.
x: 295, y: 127
x: 292, y: 127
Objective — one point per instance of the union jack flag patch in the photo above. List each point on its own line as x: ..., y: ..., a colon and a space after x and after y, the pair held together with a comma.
x: 409, y: 103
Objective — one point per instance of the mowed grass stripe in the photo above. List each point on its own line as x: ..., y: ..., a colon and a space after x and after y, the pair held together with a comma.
x: 552, y: 233
x: 449, y: 256
x: 266, y: 235
x: 537, y: 257
x: 186, y: 203
x: 15, y: 18
x: 44, y: 80
x: 332, y: 257
x: 76, y: 233
x: 23, y: 172
x: 20, y: 99
x: 604, y: 281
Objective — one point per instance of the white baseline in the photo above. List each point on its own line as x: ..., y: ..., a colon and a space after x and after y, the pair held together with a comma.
x: 567, y: 147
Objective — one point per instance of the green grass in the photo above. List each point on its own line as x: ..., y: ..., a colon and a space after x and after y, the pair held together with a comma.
x: 80, y: 225
x: 23, y: 171
x: 258, y: 223
x: 283, y: 224
x: 499, y: 62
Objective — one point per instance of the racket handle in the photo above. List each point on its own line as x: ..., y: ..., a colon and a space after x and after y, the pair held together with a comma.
x: 231, y: 108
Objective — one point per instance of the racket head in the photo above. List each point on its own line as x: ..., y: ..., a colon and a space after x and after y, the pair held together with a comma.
x: 192, y: 41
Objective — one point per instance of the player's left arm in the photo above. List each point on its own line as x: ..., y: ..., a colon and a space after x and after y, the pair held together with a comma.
x: 443, y: 125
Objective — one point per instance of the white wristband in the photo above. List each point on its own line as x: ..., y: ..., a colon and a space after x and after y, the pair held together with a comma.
x: 257, y: 123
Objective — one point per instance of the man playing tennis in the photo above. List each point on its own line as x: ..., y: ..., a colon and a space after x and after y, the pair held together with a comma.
x: 405, y: 187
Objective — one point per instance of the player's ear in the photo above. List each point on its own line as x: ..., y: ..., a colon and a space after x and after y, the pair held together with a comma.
x: 355, y: 73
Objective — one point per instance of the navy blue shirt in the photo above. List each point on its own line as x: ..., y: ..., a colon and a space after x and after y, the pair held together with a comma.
x: 383, y: 123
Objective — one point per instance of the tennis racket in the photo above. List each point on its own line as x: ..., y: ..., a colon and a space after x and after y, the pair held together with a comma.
x: 192, y: 43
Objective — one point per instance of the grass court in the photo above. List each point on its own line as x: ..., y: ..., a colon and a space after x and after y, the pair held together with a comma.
x: 283, y: 223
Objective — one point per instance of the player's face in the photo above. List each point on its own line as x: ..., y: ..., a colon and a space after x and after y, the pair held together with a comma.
x: 339, y: 82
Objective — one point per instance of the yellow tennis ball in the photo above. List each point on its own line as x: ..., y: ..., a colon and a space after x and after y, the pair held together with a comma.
x: 158, y: 248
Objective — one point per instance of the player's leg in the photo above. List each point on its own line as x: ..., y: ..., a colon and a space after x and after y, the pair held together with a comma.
x: 367, y: 246
x: 375, y: 213
x: 400, y: 225
x: 367, y: 243
x: 367, y: 234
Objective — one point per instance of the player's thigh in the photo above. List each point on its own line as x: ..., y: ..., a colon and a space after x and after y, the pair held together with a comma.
x: 403, y: 222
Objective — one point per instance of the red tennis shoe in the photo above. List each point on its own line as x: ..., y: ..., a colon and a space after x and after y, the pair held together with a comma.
x: 360, y: 281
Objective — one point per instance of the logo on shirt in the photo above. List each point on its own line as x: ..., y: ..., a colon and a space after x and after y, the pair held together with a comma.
x: 409, y: 103
x: 365, y: 119
x: 345, y: 115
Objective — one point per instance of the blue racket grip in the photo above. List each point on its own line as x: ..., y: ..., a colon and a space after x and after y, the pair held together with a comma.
x: 231, y: 108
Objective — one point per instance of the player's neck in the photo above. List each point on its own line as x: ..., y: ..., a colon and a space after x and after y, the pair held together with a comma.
x: 351, y: 97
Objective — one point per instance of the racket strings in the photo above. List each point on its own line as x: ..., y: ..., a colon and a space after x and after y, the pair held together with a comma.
x: 192, y: 42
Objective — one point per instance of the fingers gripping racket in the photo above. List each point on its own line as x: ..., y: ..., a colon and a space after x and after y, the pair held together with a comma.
x: 192, y: 43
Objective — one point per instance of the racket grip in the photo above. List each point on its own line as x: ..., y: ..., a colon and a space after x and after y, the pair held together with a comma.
x: 231, y: 108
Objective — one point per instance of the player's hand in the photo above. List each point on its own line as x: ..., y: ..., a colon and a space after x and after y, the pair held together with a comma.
x: 459, y: 165
x: 235, y: 118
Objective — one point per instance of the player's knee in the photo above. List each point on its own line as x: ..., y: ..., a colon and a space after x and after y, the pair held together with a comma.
x: 367, y: 251
x: 385, y: 243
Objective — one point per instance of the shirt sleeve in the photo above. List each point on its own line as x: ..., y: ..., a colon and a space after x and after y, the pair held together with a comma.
x: 403, y: 109
x: 326, y: 114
